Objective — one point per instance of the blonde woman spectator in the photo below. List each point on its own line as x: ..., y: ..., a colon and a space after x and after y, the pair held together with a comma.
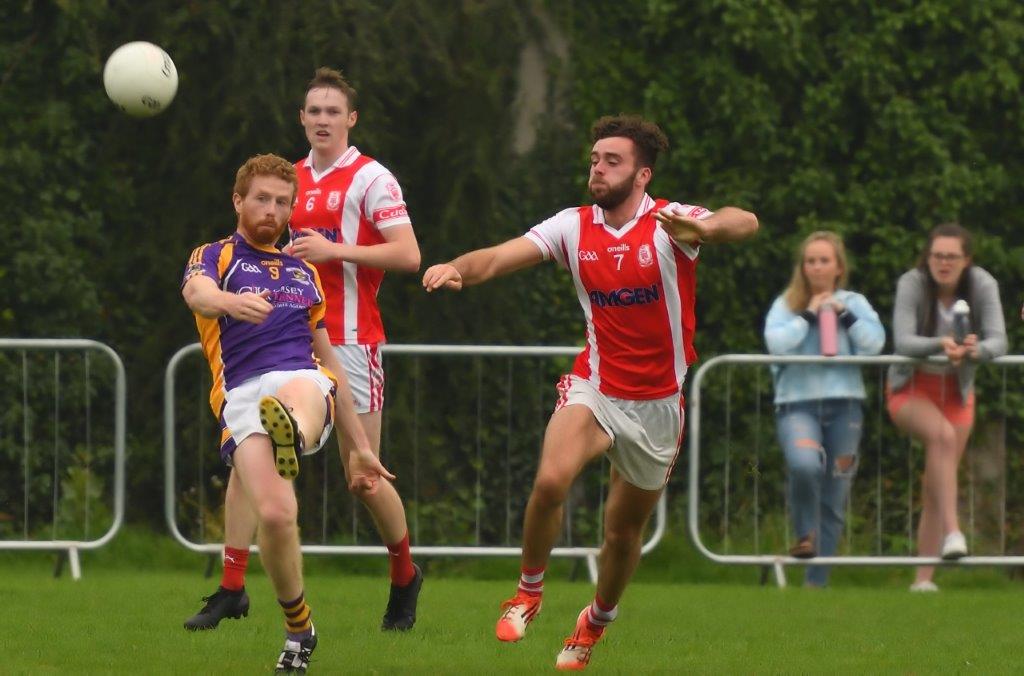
x: 819, y: 407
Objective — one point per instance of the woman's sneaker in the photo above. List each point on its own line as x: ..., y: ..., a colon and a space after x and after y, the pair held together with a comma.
x: 804, y: 549
x: 954, y: 546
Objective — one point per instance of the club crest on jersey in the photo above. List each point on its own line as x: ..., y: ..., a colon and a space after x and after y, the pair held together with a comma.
x: 644, y: 256
x: 299, y: 275
x: 394, y: 191
x: 333, y: 199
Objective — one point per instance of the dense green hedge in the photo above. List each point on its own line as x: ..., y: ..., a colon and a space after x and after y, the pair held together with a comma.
x: 877, y: 120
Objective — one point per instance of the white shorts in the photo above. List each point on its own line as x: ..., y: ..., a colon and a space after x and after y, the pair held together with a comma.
x: 240, y: 416
x: 365, y: 372
x: 645, y: 433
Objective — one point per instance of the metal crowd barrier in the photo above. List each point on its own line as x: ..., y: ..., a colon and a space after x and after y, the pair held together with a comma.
x: 415, y: 502
x: 776, y: 561
x: 20, y: 432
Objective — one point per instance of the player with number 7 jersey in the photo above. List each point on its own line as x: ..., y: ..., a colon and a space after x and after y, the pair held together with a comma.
x: 633, y: 261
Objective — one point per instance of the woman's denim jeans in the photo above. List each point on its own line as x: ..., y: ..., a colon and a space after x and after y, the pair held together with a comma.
x: 820, y: 440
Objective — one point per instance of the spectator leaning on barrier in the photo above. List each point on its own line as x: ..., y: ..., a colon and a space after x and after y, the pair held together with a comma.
x: 935, y: 402
x: 819, y: 407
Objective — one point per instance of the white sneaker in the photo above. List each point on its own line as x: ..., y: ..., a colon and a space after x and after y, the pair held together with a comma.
x: 924, y: 586
x: 954, y: 546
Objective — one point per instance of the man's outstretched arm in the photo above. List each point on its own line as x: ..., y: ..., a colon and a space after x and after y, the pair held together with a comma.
x: 727, y: 224
x: 481, y: 265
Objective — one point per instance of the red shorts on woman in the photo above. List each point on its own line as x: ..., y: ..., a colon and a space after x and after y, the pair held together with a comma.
x: 943, y: 390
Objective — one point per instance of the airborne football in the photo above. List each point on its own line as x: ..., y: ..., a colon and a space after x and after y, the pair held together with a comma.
x: 140, y: 78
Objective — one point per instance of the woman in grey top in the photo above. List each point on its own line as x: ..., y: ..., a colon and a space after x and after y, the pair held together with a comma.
x: 934, y: 402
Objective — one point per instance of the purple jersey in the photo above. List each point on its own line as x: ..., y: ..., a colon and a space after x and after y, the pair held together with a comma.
x: 237, y: 350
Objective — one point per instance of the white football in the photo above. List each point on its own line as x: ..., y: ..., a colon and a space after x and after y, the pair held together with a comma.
x: 140, y: 79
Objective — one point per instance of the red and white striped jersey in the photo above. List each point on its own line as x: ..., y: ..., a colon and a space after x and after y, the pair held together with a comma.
x: 351, y: 202
x: 637, y: 287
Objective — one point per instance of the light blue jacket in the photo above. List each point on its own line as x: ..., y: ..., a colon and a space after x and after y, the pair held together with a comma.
x: 786, y: 332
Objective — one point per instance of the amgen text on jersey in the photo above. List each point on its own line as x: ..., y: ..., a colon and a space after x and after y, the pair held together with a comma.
x: 640, y: 295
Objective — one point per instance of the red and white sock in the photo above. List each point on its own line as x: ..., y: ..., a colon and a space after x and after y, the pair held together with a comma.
x: 600, y: 614
x: 235, y: 563
x: 531, y: 581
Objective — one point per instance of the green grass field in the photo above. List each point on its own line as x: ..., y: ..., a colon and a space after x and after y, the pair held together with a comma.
x: 119, y: 620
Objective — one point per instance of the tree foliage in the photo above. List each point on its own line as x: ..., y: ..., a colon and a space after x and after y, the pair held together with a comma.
x: 875, y: 120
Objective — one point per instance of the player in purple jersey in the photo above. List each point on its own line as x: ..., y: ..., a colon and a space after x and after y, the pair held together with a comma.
x: 260, y: 317
x: 351, y: 222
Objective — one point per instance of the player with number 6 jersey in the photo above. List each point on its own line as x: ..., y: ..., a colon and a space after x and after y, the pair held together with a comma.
x: 350, y: 220
x: 353, y: 201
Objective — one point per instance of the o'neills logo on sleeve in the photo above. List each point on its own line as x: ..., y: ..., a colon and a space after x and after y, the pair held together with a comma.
x: 390, y: 213
x: 641, y: 295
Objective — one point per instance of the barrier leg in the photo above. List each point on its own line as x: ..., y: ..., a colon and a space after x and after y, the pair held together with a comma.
x: 76, y: 567
x: 592, y: 567
x: 780, y: 573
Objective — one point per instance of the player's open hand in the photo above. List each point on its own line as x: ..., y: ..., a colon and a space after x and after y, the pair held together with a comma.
x: 310, y: 245
x: 442, y: 275
x: 365, y: 472
x: 682, y: 228
x: 251, y: 307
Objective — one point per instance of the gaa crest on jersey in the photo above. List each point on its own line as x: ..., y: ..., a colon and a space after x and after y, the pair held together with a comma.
x: 333, y: 199
x: 299, y: 275
x: 644, y: 256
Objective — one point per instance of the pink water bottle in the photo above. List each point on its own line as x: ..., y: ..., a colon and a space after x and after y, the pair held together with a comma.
x: 828, y: 329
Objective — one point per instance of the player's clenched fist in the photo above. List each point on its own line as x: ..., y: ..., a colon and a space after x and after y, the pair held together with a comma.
x: 442, y: 275
x: 310, y: 245
x: 251, y: 307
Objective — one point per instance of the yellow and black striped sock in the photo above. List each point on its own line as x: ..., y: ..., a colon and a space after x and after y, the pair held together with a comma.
x: 297, y: 618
